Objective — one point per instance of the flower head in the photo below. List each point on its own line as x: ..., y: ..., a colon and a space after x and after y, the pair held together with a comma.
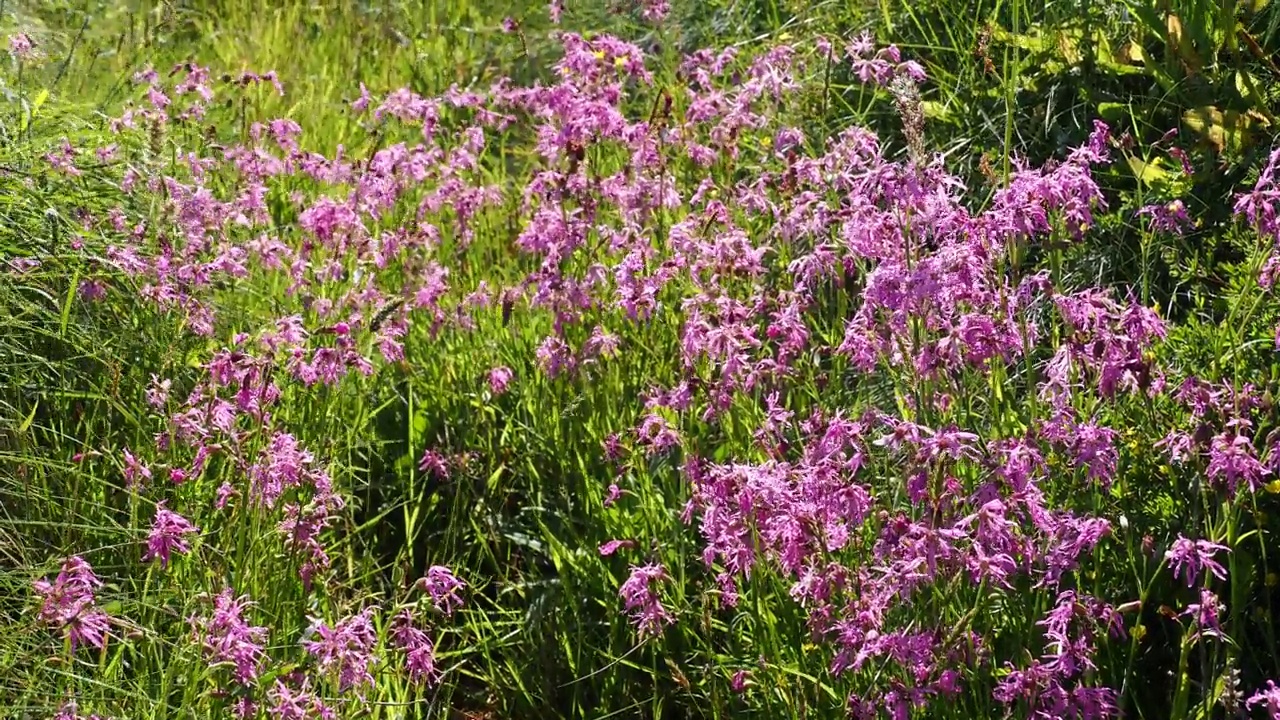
x: 434, y: 462
x: 1206, y: 612
x: 639, y: 595
x: 69, y: 603
x: 613, y: 546
x: 168, y: 535
x: 1168, y: 217
x: 227, y: 637
x: 500, y: 379
x: 21, y: 48
x: 345, y: 649
x: 420, y: 653
x: 1189, y: 557
x: 295, y: 703
x: 1268, y: 698
x: 134, y: 470
x: 444, y: 588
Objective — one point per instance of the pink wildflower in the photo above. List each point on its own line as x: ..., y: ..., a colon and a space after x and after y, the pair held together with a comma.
x: 1188, y: 558
x: 168, y: 535
x: 500, y: 379
x: 345, y: 649
x: 640, y: 597
x: 613, y: 546
x: 21, y: 48
x: 228, y: 638
x: 444, y: 588
x: 434, y: 463
x: 134, y: 470
x: 420, y: 655
x: 1170, y: 217
x: 1268, y: 698
x: 69, y: 603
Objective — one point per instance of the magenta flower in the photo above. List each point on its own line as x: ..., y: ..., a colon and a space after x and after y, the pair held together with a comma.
x: 655, y: 10
x: 1170, y: 217
x: 613, y: 546
x: 1206, y: 612
x: 434, y: 463
x: 88, y: 627
x: 500, y: 379
x: 640, y: 597
x: 444, y: 588
x: 1259, y: 205
x: 21, y: 48
x: 1268, y: 698
x: 360, y: 104
x: 420, y: 654
x: 68, y: 603
x: 1189, y: 557
x: 63, y: 159
x: 345, y: 649
x: 224, y: 495
x: 71, y: 711
x: 554, y: 356
x: 300, y: 703
x: 134, y: 470
x: 92, y: 290
x: 244, y: 709
x: 228, y: 638
x: 168, y: 535
x: 282, y: 465
x: 1231, y: 458
x: 611, y: 495
x: 656, y: 433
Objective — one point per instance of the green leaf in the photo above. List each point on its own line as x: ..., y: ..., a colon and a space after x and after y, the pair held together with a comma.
x: 1150, y: 18
x: 30, y: 109
x: 1113, y: 111
x: 66, y: 304
x: 935, y: 110
x: 30, y: 418
x: 1148, y: 172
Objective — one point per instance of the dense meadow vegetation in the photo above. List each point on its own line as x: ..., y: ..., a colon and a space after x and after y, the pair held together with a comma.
x: 651, y: 359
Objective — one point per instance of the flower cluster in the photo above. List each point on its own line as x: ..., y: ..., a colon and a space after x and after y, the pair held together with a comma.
x: 68, y: 603
x: 444, y: 588
x: 640, y: 596
x: 345, y: 649
x: 227, y: 637
x: 167, y: 536
x: 419, y: 650
x: 744, y: 276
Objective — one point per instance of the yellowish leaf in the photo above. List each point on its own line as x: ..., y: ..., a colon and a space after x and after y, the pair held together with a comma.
x: 1149, y: 173
x: 1129, y: 53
